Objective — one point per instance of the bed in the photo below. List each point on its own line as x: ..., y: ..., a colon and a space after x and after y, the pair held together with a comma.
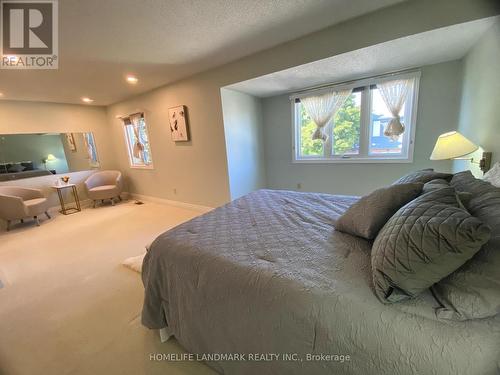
x: 268, y: 274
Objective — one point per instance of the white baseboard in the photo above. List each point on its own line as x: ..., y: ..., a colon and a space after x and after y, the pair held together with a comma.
x: 189, y: 206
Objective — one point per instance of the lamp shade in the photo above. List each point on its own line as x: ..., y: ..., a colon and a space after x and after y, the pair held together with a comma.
x: 452, y: 145
x: 51, y: 157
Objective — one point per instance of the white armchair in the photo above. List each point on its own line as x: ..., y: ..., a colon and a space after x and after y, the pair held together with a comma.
x: 18, y: 203
x: 104, y: 185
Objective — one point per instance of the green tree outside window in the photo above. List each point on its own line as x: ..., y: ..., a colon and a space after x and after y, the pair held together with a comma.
x: 345, y: 132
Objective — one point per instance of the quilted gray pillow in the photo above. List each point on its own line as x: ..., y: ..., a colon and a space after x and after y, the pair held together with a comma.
x: 463, y: 197
x: 434, y: 185
x: 423, y: 176
x: 422, y: 243
x: 367, y: 216
x: 473, y: 291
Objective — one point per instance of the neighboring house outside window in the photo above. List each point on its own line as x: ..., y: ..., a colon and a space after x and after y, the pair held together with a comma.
x: 356, y: 132
x: 137, y: 139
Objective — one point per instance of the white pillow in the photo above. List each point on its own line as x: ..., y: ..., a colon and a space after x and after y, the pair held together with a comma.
x: 493, y: 175
x: 134, y: 263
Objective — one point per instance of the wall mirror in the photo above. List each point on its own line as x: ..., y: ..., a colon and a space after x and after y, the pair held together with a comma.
x: 42, y: 154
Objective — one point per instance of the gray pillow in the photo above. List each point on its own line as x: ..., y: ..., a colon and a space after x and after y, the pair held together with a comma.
x: 463, y: 196
x: 16, y: 168
x: 473, y: 291
x: 423, y: 176
x: 367, y: 216
x: 434, y: 185
x: 423, y: 242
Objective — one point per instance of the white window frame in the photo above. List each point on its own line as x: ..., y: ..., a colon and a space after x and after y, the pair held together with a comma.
x: 411, y: 109
x: 129, y: 150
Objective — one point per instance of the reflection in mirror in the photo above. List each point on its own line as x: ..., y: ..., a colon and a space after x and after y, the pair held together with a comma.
x: 33, y: 155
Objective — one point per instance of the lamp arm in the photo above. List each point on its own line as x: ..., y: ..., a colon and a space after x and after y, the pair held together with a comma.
x: 484, y: 163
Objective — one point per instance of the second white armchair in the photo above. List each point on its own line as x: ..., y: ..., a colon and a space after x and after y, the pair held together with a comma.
x: 104, y: 185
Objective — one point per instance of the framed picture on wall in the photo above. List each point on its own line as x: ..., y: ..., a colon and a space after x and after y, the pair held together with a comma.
x: 71, y: 141
x: 178, y: 123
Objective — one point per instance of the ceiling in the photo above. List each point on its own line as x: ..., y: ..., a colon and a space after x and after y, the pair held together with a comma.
x: 162, y: 41
x: 431, y: 47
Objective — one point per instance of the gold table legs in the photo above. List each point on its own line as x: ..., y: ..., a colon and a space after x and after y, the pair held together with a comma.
x: 72, y: 209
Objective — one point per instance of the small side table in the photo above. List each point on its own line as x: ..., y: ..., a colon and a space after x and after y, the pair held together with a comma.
x: 68, y: 210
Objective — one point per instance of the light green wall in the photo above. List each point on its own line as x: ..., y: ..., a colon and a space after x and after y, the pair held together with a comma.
x: 197, y: 172
x: 480, y: 109
x: 438, y: 108
x: 33, y: 147
x: 244, y: 142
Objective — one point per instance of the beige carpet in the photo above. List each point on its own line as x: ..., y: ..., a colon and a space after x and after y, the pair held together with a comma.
x: 68, y: 306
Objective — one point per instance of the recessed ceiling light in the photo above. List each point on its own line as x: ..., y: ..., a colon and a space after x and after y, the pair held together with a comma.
x: 1, y: 94
x: 87, y: 100
x: 132, y: 79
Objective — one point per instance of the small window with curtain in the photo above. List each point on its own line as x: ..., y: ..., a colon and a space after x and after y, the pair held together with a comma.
x: 366, y: 121
x: 89, y: 141
x: 137, y: 138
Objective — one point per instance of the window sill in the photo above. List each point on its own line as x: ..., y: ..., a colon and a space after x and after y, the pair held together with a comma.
x: 354, y: 161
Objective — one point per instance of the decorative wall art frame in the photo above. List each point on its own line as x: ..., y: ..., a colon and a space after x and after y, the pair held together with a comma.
x: 178, y: 123
x: 71, y: 141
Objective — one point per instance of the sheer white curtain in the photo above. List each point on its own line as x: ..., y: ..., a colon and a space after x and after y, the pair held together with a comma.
x: 135, y: 120
x: 322, y: 108
x: 394, y: 95
x: 91, y: 149
x: 88, y: 147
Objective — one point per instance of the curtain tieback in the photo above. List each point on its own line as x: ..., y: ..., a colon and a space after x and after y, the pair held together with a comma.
x: 395, y: 128
x: 138, y: 148
x: 320, y: 134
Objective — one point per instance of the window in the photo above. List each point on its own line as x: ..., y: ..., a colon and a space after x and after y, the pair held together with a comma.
x: 91, y: 150
x: 136, y: 135
x: 356, y: 132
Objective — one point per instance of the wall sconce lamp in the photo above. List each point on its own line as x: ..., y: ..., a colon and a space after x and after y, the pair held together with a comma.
x: 454, y: 145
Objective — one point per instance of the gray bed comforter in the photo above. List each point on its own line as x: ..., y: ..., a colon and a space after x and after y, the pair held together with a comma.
x: 268, y: 274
